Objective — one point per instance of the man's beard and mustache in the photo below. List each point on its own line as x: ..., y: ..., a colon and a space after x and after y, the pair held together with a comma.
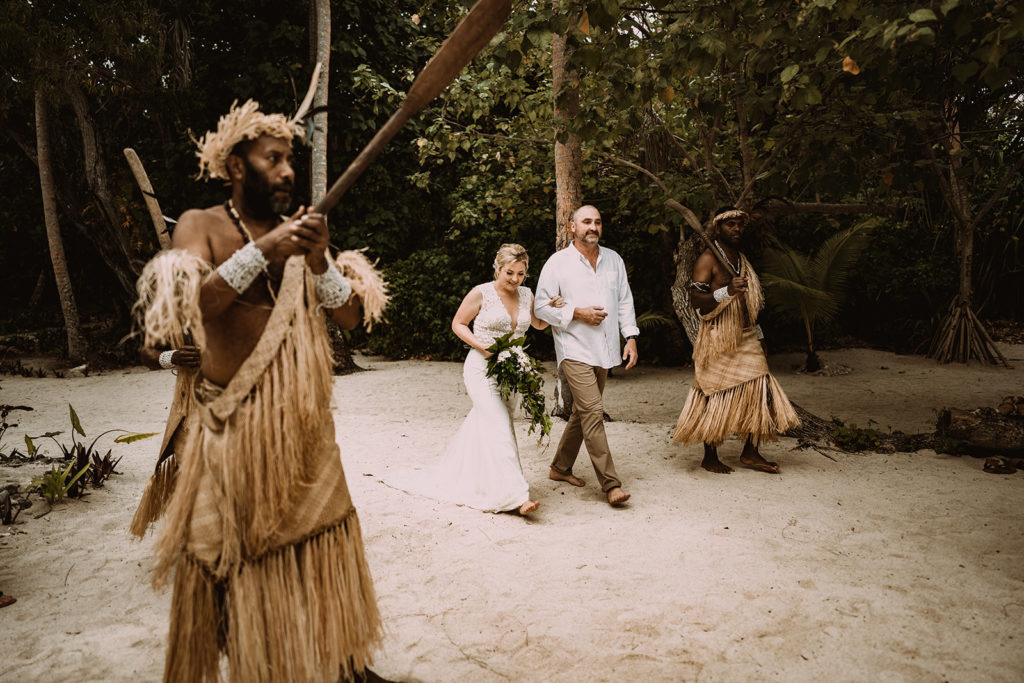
x: 726, y: 238
x: 261, y: 198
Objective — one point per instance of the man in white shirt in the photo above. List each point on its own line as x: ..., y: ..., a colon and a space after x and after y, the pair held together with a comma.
x: 598, y: 306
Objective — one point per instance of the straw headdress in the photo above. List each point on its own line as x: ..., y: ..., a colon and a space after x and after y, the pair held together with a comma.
x: 242, y: 123
x: 248, y: 123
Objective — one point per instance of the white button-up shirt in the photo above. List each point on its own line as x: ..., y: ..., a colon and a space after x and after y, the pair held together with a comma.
x: 569, y: 274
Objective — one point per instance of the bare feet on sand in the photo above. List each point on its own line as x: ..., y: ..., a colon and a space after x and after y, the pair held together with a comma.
x: 617, y: 496
x: 711, y: 462
x: 558, y: 476
x: 751, y: 457
x: 528, y: 507
x: 756, y: 462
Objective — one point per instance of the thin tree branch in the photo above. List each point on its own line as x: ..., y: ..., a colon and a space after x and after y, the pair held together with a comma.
x: 686, y: 212
x: 677, y: 141
x: 999, y: 191
x: 639, y: 27
x: 781, y: 207
x: 651, y: 10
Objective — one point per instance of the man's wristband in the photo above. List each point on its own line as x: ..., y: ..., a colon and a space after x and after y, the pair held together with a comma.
x: 165, y: 359
x: 332, y: 289
x: 632, y: 336
x: 243, y: 267
x: 721, y: 294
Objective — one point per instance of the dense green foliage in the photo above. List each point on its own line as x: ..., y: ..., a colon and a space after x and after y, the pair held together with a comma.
x: 818, y: 102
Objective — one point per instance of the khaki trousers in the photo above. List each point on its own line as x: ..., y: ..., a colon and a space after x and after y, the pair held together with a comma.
x: 586, y: 424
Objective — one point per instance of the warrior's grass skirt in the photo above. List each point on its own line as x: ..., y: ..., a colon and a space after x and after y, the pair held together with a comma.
x: 734, y: 393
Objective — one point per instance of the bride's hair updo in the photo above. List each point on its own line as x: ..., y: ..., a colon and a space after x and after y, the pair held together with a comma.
x: 510, y: 253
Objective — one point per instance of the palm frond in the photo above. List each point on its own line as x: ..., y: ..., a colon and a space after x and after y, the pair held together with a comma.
x: 786, y: 264
x: 831, y: 266
x: 649, y: 320
x: 795, y: 300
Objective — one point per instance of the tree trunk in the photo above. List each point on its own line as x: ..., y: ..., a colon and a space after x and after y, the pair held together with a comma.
x: 964, y: 238
x: 568, y: 154
x: 113, y: 244
x: 568, y: 173
x: 320, y: 48
x: 962, y: 336
x: 318, y: 161
x: 76, y: 342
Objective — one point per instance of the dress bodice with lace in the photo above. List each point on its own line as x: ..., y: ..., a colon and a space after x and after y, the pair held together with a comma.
x: 493, y: 319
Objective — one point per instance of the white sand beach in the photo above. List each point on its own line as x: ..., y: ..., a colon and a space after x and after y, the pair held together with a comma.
x: 845, y: 567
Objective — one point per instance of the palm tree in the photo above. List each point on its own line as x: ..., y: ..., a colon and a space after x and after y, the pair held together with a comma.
x: 810, y: 289
x: 76, y: 341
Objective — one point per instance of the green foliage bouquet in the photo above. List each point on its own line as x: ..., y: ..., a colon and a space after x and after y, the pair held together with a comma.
x: 516, y: 371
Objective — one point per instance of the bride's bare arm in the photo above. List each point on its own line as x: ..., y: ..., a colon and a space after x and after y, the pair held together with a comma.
x: 468, y: 309
x: 555, y: 302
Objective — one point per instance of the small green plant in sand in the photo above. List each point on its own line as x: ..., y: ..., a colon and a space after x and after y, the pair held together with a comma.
x: 82, y: 458
x: 850, y: 437
x: 58, y: 483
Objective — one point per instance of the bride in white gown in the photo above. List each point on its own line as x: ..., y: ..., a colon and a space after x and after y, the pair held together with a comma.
x: 480, y: 467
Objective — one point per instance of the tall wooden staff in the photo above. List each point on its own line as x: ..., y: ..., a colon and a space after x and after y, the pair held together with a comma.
x: 474, y: 31
x: 693, y: 222
x: 151, y: 202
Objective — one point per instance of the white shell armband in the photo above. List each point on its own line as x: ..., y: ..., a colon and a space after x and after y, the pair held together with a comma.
x: 165, y: 359
x: 332, y: 289
x: 721, y: 294
x: 760, y: 334
x: 243, y: 267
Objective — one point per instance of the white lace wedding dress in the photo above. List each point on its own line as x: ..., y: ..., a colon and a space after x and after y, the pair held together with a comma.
x: 480, y: 467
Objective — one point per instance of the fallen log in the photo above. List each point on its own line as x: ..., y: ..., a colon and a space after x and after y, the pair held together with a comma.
x: 982, y: 429
x: 1011, y: 405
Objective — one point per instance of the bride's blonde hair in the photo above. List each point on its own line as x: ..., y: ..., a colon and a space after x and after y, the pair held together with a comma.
x: 510, y: 253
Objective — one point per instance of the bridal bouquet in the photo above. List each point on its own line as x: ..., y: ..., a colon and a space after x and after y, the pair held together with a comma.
x: 515, y: 371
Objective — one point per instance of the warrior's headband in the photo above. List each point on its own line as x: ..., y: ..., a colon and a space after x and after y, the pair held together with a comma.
x: 726, y: 215
x: 246, y: 122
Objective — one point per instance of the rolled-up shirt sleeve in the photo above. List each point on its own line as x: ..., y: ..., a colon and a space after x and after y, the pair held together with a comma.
x: 627, y: 314
x: 548, y: 288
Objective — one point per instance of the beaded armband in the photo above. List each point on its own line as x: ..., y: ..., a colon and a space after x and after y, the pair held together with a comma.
x: 165, y: 359
x: 243, y: 267
x: 332, y: 289
x: 704, y: 287
x: 721, y: 294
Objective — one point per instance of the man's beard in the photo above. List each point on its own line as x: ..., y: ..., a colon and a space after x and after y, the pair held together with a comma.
x: 730, y: 241
x: 261, y: 199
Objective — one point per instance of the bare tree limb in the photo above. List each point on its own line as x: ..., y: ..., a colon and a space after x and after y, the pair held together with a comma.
x: 1000, y: 189
x: 780, y: 207
x: 713, y: 168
